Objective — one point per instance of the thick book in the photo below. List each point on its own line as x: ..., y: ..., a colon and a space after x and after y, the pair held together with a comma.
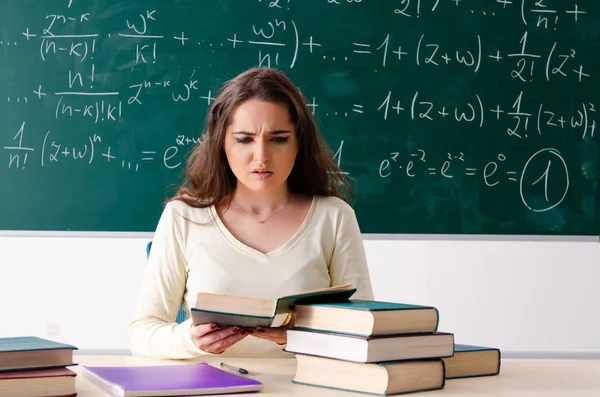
x: 53, y: 382
x: 168, y: 380
x: 386, y: 378
x: 370, y: 349
x: 367, y: 317
x: 471, y: 361
x: 31, y: 352
x: 232, y: 310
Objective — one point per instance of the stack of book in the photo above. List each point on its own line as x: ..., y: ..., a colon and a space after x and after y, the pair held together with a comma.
x: 357, y: 345
x: 374, y: 347
x: 36, y: 367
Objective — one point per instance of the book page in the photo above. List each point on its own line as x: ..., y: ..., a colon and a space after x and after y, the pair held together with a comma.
x: 235, y: 304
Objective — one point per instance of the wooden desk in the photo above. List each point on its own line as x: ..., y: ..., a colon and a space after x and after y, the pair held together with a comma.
x: 518, y: 378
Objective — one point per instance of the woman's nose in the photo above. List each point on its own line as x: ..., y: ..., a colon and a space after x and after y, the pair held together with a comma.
x: 260, y: 151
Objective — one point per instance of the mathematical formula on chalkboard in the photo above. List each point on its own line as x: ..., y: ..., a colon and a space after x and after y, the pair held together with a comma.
x: 500, y: 93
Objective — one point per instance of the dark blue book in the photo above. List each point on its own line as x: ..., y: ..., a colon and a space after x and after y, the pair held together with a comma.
x: 367, y: 317
x: 31, y: 352
x: 471, y: 361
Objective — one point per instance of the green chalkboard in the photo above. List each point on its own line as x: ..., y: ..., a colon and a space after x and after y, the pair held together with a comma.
x: 452, y: 117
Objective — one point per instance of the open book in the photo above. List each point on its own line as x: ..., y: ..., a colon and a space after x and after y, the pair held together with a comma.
x: 232, y: 310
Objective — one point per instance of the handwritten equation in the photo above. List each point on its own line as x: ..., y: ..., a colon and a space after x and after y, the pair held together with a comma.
x: 492, y: 173
x: 118, y: 71
x: 84, y: 150
x: 279, y: 43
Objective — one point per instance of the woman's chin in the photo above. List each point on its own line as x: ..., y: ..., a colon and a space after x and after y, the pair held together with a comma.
x: 268, y: 185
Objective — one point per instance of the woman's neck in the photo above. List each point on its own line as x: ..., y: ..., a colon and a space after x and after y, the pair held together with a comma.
x: 261, y: 202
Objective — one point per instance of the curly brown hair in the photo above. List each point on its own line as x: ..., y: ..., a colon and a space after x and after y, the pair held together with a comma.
x: 208, y: 178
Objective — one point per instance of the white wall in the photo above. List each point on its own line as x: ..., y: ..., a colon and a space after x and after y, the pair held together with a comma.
x: 528, y: 298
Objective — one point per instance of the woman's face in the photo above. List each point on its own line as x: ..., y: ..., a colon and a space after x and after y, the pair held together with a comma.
x: 261, y: 145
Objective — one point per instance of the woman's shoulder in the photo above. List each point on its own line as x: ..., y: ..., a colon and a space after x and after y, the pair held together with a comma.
x: 180, y: 209
x: 335, y: 205
x: 331, y: 213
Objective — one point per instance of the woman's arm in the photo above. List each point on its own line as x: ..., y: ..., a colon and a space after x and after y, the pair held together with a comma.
x: 153, y: 331
x: 348, y: 263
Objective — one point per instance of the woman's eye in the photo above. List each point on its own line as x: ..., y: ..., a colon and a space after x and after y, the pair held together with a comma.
x: 243, y: 140
x: 280, y: 139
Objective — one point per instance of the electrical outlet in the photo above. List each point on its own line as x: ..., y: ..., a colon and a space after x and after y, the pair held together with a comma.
x: 52, y: 328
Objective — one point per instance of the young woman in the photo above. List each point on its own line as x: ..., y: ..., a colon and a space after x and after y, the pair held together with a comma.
x: 261, y: 213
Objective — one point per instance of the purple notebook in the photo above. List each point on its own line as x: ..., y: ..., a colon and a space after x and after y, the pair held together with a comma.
x: 169, y: 380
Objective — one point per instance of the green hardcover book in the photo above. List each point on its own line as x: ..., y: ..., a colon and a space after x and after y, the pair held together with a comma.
x: 367, y: 317
x: 471, y: 361
x: 384, y: 378
x: 31, y: 352
x: 231, y: 310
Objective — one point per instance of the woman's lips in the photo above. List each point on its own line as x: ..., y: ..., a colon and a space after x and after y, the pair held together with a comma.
x: 262, y: 175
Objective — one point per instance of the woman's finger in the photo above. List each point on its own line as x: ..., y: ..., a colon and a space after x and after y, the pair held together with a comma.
x: 210, y: 338
x: 277, y: 335
x: 200, y: 330
x: 221, y: 345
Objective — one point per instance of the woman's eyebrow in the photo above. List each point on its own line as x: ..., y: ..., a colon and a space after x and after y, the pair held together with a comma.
x: 275, y: 132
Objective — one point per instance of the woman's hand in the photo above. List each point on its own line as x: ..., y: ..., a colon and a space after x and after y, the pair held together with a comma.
x: 212, y: 339
x: 277, y: 335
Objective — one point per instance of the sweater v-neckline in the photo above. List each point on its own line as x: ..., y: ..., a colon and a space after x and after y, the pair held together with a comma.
x: 235, y: 242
